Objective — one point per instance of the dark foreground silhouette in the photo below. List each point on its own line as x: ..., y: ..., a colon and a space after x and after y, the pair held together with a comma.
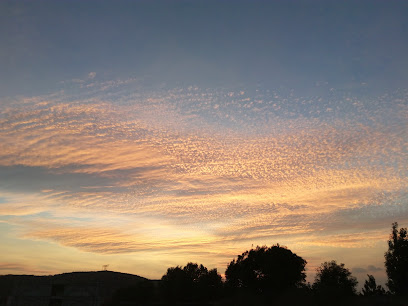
x: 76, y: 288
x: 260, y: 276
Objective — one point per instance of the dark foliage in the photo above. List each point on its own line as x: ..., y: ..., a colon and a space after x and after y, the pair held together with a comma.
x: 334, y: 281
x: 396, y: 261
x: 371, y: 288
x: 175, y: 283
x: 264, y: 269
x: 192, y: 283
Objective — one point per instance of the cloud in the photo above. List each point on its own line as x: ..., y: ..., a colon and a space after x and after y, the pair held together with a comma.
x: 17, y: 268
x: 372, y: 268
x: 87, y: 236
x: 368, y: 269
x: 91, y: 75
x: 272, y: 169
x: 359, y: 270
x: 352, y: 240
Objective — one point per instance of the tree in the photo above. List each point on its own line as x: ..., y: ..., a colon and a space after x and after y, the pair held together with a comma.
x: 334, y: 281
x: 174, y: 284
x: 371, y: 288
x: 264, y: 269
x: 194, y: 271
x: 193, y: 282
x: 396, y: 261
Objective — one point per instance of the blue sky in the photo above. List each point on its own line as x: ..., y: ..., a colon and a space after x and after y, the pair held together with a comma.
x: 289, y: 43
x: 147, y: 134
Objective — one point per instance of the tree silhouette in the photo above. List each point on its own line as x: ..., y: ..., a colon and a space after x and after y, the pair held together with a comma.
x: 396, y: 261
x: 209, y: 285
x: 193, y: 282
x: 334, y: 281
x: 264, y: 269
x: 174, y: 284
x: 193, y: 271
x: 371, y: 288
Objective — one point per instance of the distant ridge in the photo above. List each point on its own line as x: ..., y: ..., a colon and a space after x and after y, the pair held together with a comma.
x: 107, y: 281
x: 97, y: 276
x: 76, y: 277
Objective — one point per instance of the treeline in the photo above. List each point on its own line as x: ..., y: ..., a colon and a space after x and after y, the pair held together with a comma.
x: 276, y: 276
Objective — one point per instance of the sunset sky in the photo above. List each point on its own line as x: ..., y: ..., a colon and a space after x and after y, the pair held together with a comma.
x: 144, y: 135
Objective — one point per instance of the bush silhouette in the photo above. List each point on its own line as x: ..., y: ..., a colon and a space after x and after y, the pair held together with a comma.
x: 396, y: 261
x: 264, y: 269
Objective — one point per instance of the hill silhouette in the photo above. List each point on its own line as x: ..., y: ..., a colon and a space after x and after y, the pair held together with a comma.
x: 107, y: 282
x: 91, y: 277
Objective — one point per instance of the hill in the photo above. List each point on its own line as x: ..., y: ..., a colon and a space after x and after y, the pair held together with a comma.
x: 107, y: 282
x: 92, y: 277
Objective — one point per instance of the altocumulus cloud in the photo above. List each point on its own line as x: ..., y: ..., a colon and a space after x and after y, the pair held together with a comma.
x: 230, y: 165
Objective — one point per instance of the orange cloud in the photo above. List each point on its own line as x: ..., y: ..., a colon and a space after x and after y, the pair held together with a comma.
x: 172, y: 158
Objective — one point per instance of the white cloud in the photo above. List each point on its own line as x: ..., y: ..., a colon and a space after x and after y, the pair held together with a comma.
x: 91, y: 75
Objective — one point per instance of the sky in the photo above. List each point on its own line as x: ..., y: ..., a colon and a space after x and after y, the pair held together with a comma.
x: 144, y: 135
